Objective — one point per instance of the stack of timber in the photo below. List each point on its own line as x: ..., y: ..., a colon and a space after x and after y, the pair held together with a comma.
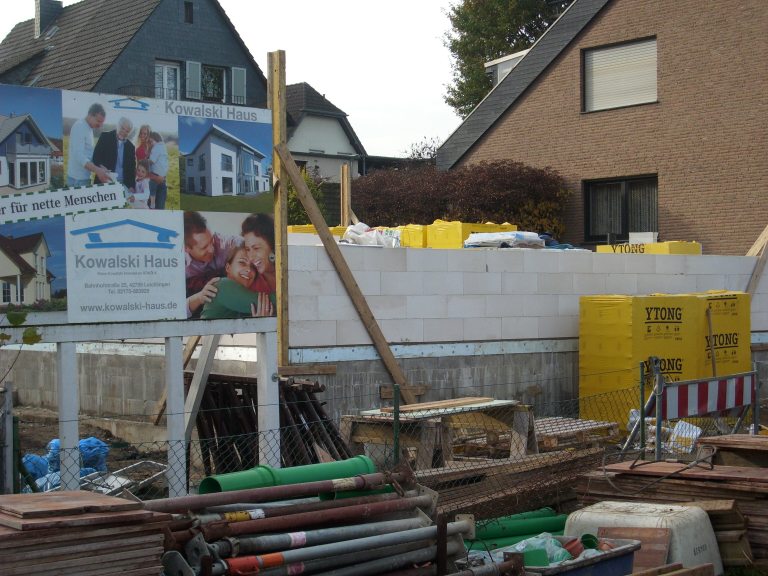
x: 675, y: 483
x: 228, y: 418
x: 495, y: 487
x: 79, y: 533
x: 557, y: 433
x: 730, y: 528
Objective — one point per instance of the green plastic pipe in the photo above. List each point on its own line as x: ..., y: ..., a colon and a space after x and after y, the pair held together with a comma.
x: 494, y: 543
x: 263, y: 476
x: 515, y: 527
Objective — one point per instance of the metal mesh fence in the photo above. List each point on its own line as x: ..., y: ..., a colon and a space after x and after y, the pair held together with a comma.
x: 483, y: 455
x: 6, y: 440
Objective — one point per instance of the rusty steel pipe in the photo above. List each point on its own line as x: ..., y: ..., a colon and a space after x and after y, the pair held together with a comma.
x: 358, y: 513
x: 248, y: 513
x: 272, y: 493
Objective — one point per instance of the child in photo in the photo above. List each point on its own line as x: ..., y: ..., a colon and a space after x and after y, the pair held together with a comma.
x: 141, y: 197
x: 158, y: 162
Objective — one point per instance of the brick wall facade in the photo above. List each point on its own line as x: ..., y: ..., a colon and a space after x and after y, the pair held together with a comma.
x: 705, y: 138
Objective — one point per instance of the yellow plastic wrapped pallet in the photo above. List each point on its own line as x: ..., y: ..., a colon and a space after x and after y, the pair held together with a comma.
x: 310, y: 229
x: 411, y: 235
x: 673, y: 247
x: 617, y: 333
x: 442, y: 234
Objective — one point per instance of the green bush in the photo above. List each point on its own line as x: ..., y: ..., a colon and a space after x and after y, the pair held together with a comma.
x: 296, y: 212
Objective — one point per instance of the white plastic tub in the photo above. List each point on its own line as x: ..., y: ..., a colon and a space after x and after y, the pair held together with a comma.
x: 692, y: 540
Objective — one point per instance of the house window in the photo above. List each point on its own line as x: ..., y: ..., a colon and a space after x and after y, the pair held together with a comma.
x: 189, y: 12
x: 167, y: 76
x: 6, y: 292
x: 620, y: 75
x: 23, y: 174
x: 226, y: 163
x: 21, y: 293
x: 212, y: 84
x: 203, y: 184
x: 41, y: 172
x: 614, y: 208
x: 191, y: 184
x: 201, y: 162
x: 226, y: 185
x: 191, y: 162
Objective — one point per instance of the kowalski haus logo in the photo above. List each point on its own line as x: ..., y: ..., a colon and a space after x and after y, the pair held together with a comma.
x: 143, y: 237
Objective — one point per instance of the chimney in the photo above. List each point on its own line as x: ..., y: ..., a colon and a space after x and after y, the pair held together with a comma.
x: 46, y: 12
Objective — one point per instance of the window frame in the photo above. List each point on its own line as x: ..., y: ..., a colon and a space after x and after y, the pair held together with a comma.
x: 203, y: 96
x: 622, y: 236
x: 167, y: 93
x: 227, y: 163
x: 616, y: 45
x: 189, y: 12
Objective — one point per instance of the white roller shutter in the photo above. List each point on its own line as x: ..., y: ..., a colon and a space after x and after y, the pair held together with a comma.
x: 620, y: 75
x: 194, y: 88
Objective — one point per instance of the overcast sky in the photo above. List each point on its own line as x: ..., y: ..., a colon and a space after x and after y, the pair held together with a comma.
x: 383, y: 63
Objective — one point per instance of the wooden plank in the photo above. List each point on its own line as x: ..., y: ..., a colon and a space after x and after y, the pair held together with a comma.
x: 453, y: 403
x: 62, y: 503
x: 10, y: 538
x: 345, y: 195
x: 277, y: 102
x: 342, y: 269
x: 658, y: 571
x: 75, y: 565
x: 189, y: 349
x: 307, y: 370
x: 731, y: 473
x: 741, y: 441
x: 63, y: 551
x: 757, y: 272
x: 25, y: 524
x: 199, y: 381
x: 702, y: 570
x: 759, y: 244
x: 655, y: 543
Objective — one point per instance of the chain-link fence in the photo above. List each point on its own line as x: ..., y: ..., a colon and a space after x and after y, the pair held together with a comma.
x: 6, y: 439
x: 484, y: 455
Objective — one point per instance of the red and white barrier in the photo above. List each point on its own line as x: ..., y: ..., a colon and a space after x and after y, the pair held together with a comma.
x: 697, y: 398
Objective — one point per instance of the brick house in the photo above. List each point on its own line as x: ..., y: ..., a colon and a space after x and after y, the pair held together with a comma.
x: 655, y: 112
x: 167, y: 49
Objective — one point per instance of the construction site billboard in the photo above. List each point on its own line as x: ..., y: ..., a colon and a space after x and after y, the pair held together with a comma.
x: 120, y: 208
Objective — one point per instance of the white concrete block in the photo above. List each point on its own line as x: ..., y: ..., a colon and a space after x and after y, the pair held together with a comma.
x: 540, y: 305
x: 519, y: 328
x: 520, y: 283
x: 303, y: 308
x: 388, y: 307
x: 559, y: 283
x: 670, y: 264
x: 482, y: 329
x: 464, y: 306
x: 443, y: 283
x: 568, y: 305
x: 467, y: 260
x: 383, y: 259
x: 575, y: 261
x: 621, y: 284
x: 706, y: 282
x: 411, y: 330
x: 369, y: 281
x: 503, y: 306
x: 402, y: 283
x: 351, y: 333
x: 335, y: 307
x: 427, y: 260
x: 759, y: 303
x: 759, y: 321
x: 312, y: 333
x: 482, y: 283
x: 740, y: 282
x: 352, y: 255
x: 677, y: 284
x: 299, y: 239
x: 538, y: 260
x: 706, y: 264
x: 304, y: 283
x: 302, y: 258
x: 428, y: 307
x: 504, y: 260
x: 589, y: 284
x: 443, y: 330
x: 641, y: 263
x: 728, y: 265
x: 606, y: 263
x: 559, y: 327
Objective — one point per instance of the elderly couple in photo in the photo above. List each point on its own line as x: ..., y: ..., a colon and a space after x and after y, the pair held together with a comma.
x: 230, y: 276
x: 141, y: 168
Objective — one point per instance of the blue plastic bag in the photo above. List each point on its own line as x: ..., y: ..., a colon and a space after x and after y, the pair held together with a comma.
x: 36, y: 466
x: 93, y: 453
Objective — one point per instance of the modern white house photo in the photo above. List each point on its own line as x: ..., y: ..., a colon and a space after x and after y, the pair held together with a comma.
x: 25, y: 155
x: 222, y: 164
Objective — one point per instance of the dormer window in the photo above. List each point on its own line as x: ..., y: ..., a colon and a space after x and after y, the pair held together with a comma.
x: 51, y: 32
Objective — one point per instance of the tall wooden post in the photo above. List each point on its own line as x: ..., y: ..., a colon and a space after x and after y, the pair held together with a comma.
x: 277, y: 103
x: 346, y: 195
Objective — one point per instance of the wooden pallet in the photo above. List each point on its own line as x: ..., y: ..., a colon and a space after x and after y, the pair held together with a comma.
x: 556, y: 433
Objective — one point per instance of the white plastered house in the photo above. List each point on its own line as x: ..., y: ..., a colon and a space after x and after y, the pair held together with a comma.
x: 24, y: 277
